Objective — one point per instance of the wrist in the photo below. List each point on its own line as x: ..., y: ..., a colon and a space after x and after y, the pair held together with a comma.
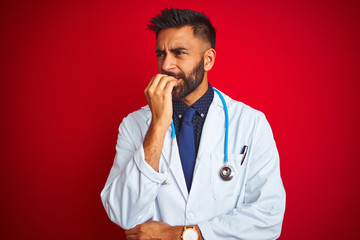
x: 177, y: 232
x: 156, y: 132
x: 160, y: 124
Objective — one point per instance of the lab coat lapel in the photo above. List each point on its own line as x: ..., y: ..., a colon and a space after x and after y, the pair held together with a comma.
x: 177, y: 171
x: 213, y: 130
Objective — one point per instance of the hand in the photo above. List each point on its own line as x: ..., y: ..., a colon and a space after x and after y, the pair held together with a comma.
x: 154, y: 230
x: 159, y: 97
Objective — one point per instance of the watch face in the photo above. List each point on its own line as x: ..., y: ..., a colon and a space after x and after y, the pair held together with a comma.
x: 190, y: 234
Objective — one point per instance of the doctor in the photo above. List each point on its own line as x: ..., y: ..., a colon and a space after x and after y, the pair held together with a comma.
x: 165, y: 182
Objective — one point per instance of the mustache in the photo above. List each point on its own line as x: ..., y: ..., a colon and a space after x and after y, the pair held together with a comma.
x: 171, y: 74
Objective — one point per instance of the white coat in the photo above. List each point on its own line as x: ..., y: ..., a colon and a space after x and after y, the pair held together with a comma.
x: 250, y: 206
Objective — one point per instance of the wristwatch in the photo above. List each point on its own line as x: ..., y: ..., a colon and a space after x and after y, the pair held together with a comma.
x: 190, y: 233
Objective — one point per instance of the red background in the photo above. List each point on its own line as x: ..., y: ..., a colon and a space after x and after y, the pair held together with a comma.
x: 71, y: 70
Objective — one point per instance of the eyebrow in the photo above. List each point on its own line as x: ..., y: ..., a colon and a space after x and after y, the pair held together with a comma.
x: 171, y: 50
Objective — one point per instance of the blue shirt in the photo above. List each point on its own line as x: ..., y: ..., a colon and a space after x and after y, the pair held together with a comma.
x: 201, y: 106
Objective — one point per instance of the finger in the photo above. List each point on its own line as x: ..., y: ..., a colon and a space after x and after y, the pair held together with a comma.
x: 158, y: 90
x: 157, y: 79
x: 146, y: 91
x: 150, y: 83
x: 170, y: 86
x: 152, y: 86
x: 164, y: 81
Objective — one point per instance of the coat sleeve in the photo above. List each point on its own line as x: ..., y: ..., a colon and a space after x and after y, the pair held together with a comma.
x: 132, y: 186
x: 260, y: 214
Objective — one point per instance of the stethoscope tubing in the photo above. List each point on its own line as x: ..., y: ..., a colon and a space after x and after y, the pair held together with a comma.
x: 226, y: 159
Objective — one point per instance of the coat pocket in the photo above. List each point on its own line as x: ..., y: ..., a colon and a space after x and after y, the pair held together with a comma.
x: 219, y: 187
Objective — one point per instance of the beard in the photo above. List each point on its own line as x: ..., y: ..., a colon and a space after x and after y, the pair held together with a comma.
x: 191, y: 82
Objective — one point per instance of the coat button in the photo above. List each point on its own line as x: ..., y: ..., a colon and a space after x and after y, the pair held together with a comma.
x: 190, y: 216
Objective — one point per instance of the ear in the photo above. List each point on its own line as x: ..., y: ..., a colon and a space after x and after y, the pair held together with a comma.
x: 209, y: 59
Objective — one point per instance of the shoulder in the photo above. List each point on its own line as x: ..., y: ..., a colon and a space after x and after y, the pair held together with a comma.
x: 143, y: 113
x: 239, y: 108
x: 246, y: 118
x: 140, y: 117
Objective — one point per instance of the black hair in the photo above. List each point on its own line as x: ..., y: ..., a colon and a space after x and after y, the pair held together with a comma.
x: 176, y: 18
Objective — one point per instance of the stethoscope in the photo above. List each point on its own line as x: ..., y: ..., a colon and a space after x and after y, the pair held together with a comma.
x: 226, y: 172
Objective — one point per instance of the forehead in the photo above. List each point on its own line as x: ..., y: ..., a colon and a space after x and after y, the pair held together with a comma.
x: 177, y: 37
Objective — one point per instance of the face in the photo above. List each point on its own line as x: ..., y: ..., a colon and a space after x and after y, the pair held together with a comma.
x: 180, y: 55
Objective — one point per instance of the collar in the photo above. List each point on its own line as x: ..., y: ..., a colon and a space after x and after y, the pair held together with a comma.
x: 201, y: 105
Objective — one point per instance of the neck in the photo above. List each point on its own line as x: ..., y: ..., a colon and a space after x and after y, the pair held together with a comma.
x: 197, y: 93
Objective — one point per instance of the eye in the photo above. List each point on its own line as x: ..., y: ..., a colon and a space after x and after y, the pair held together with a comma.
x: 160, y: 55
x: 180, y: 53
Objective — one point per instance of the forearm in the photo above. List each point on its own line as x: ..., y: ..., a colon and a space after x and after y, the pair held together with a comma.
x: 153, y: 144
x: 159, y: 230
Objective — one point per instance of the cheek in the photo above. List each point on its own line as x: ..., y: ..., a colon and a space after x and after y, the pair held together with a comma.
x: 191, y: 63
x: 186, y: 67
x: 159, y: 65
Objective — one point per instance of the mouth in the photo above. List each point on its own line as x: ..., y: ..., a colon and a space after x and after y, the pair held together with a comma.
x: 178, y: 82
x: 178, y: 76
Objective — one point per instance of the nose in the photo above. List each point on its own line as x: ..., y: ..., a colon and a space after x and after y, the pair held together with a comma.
x: 167, y: 64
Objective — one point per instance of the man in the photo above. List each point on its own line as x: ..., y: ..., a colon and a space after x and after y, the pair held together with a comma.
x: 169, y: 188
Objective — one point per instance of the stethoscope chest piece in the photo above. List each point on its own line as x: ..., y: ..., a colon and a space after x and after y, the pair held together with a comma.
x: 227, y: 172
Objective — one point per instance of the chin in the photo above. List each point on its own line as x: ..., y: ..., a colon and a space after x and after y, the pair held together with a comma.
x: 177, y: 92
x: 175, y: 96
